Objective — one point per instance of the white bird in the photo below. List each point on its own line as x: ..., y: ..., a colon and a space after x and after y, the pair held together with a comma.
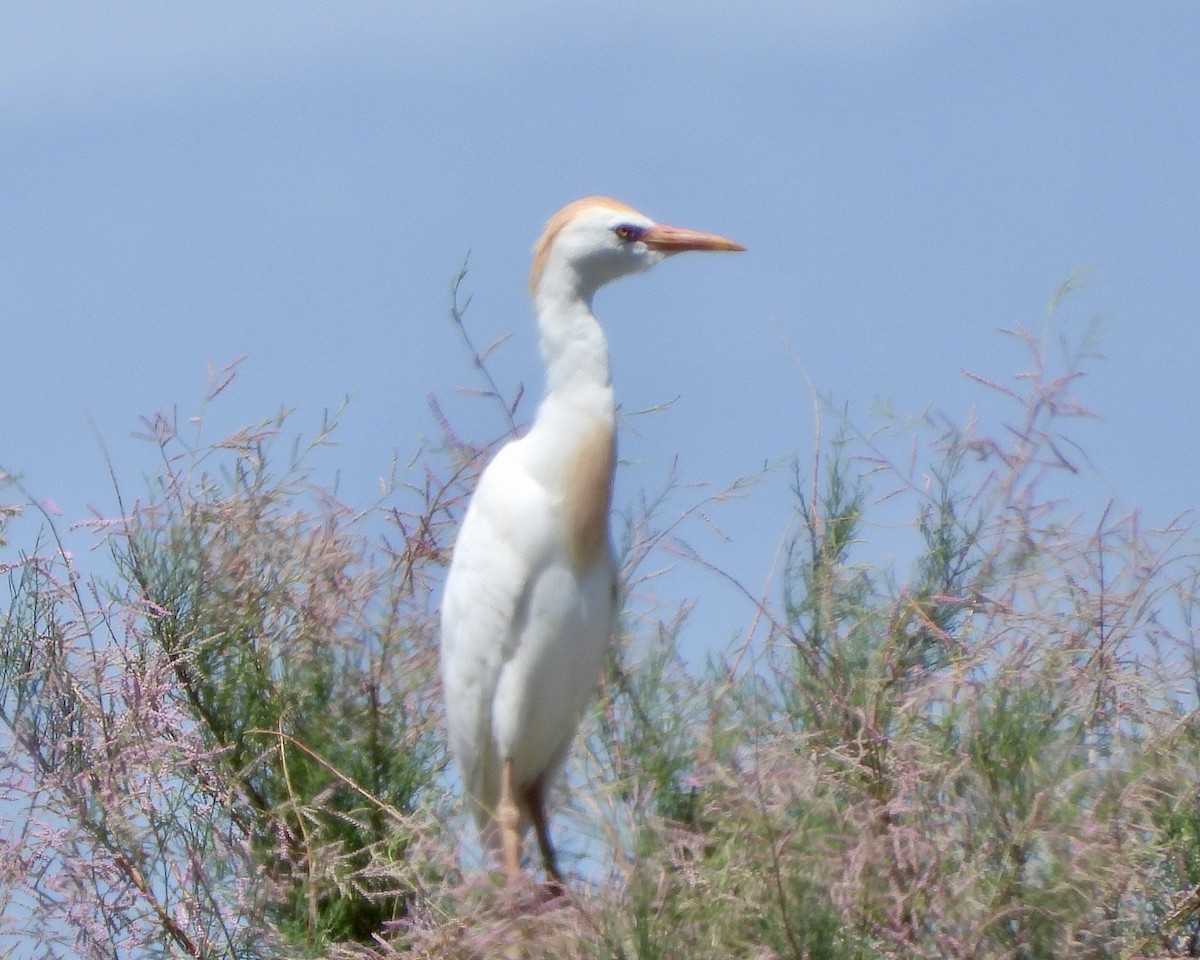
x: 531, y: 596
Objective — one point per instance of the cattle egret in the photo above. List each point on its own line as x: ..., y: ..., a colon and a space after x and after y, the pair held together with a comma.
x: 531, y: 596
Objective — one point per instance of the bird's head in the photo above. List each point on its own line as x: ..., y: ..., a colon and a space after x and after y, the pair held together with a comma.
x: 593, y: 241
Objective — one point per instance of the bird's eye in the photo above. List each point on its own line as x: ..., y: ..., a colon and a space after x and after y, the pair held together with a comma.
x: 627, y: 232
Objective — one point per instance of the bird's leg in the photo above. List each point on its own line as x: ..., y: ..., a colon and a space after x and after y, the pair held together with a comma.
x: 535, y: 800
x: 509, y: 818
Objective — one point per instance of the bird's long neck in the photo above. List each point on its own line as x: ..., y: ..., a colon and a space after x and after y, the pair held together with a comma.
x: 576, y: 354
x: 571, y: 448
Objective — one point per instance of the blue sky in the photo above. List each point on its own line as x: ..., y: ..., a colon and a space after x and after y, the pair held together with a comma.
x: 185, y: 184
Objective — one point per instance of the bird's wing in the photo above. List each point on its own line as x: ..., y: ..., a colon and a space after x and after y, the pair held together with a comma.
x: 506, y: 538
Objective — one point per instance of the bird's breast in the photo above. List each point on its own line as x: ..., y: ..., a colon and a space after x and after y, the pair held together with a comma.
x: 587, y: 496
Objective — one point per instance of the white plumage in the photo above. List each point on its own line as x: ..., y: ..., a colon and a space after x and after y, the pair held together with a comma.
x: 531, y: 596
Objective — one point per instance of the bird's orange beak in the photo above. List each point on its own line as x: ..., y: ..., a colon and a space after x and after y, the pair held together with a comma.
x: 678, y: 239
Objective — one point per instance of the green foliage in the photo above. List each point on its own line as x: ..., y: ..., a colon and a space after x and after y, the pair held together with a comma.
x: 285, y: 641
x: 241, y: 728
